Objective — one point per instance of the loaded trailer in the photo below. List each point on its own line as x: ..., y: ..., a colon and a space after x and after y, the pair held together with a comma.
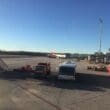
x: 41, y: 69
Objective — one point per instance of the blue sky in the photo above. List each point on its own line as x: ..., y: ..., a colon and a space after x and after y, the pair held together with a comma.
x: 54, y: 25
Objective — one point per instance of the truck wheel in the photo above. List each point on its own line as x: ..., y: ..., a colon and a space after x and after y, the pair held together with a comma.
x: 75, y: 75
x: 48, y: 73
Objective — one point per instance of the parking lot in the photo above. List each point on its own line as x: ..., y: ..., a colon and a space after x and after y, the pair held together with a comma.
x: 91, y: 90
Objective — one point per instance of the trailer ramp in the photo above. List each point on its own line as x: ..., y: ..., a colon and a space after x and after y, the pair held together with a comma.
x: 3, y: 65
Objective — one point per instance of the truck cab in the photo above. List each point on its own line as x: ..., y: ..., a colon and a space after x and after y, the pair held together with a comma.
x: 67, y: 71
x: 42, y: 69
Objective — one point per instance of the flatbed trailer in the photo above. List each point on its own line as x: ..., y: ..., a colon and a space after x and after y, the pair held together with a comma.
x: 3, y: 65
x: 98, y: 67
x: 42, y: 69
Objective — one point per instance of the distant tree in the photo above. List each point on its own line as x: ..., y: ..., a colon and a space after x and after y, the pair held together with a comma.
x: 75, y: 55
x: 68, y: 55
x: 98, y: 53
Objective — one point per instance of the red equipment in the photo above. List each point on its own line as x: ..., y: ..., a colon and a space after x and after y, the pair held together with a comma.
x: 26, y: 68
x: 43, y: 69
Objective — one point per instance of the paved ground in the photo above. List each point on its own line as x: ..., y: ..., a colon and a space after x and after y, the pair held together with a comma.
x: 91, y: 91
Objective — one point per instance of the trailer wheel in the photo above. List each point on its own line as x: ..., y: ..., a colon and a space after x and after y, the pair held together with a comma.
x: 95, y: 69
x: 76, y: 75
x: 88, y: 68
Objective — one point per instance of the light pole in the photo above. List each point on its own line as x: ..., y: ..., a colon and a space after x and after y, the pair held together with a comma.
x: 101, y: 32
x: 100, y: 40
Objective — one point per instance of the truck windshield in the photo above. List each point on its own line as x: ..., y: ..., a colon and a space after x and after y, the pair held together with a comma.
x: 39, y: 68
x: 66, y: 71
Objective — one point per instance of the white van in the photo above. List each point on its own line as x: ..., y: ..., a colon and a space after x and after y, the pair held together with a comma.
x: 67, y: 71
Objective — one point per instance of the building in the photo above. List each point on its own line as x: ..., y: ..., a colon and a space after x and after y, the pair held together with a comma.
x: 91, y: 58
x: 107, y: 58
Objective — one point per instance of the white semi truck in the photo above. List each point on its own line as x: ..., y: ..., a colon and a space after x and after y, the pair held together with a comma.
x: 67, y: 71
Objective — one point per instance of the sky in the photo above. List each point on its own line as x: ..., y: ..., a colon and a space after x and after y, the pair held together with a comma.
x: 54, y: 25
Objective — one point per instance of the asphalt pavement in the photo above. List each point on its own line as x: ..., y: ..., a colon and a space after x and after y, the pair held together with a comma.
x: 91, y: 91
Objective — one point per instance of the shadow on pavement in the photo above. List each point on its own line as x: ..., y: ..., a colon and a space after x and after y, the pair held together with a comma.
x: 84, y: 81
x: 89, y: 82
x: 13, y: 75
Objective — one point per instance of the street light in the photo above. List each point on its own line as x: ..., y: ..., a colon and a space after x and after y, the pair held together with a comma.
x: 101, y: 32
x: 100, y: 40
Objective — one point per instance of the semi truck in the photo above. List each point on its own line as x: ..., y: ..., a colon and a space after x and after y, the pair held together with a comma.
x: 67, y: 71
x: 43, y: 69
